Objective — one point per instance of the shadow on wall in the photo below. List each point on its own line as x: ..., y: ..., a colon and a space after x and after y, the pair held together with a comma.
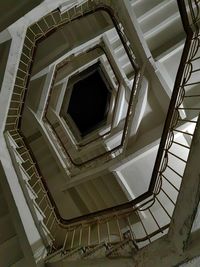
x: 12, y: 10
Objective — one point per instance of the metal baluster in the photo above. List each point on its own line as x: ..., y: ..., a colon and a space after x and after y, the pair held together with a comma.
x: 133, y: 238
x: 46, y: 23
x: 163, y: 207
x: 65, y: 241
x: 176, y: 156
x: 35, y: 183
x: 42, y: 199
x: 119, y: 229
x: 49, y: 217
x: 168, y: 196
x: 53, y: 19
x: 34, y: 34
x: 177, y: 143
x: 53, y: 221
x: 181, y: 176
x: 29, y: 58
x: 179, y: 131
x: 170, y: 182
x: 98, y: 232
x: 19, y: 86
x: 40, y: 28
x: 108, y: 231
x: 21, y: 79
x: 47, y: 206
x: 30, y: 40
x: 80, y: 235
x: 155, y: 220
x: 29, y: 48
x: 144, y: 228
x: 89, y: 235
x: 72, y: 241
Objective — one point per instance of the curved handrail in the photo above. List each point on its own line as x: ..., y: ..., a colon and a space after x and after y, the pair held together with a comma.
x: 155, y: 188
x: 135, y: 82
x: 175, y: 94
x: 106, y: 134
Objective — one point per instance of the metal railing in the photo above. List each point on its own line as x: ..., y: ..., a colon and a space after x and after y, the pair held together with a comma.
x: 45, y: 26
x: 70, y: 160
x: 118, y: 150
x: 146, y: 218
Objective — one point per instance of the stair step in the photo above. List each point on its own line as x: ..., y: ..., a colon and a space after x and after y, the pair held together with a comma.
x: 141, y: 7
x: 160, y: 13
x: 160, y: 22
x: 166, y: 35
x: 163, y: 26
x: 115, y: 42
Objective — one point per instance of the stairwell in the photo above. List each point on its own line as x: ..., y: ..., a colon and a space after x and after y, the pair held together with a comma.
x: 158, y: 20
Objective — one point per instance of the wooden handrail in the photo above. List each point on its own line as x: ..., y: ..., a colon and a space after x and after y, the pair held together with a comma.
x: 162, y: 152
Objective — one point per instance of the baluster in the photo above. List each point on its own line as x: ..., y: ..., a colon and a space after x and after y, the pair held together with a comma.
x: 181, y: 176
x: 34, y: 34
x: 53, y: 19
x: 53, y: 221
x: 119, y: 229
x: 133, y: 238
x: 89, y: 235
x: 46, y: 23
x: 144, y: 228
x: 42, y: 199
x: 168, y: 196
x: 80, y: 235
x: 40, y: 29
x: 98, y: 233
x: 72, y: 241
x: 49, y: 217
x: 170, y: 182
x: 163, y: 207
x: 65, y: 241
x: 108, y: 231
x: 152, y: 215
x: 30, y: 40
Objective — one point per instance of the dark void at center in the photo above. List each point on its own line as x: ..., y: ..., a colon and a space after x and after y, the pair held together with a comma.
x: 89, y: 103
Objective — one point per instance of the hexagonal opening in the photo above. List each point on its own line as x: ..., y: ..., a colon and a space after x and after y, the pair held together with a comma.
x: 89, y: 102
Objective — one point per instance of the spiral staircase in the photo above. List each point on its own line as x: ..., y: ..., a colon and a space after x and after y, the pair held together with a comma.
x: 124, y: 191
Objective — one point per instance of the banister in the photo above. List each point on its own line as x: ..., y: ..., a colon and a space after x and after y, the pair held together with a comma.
x: 135, y: 204
x: 175, y: 92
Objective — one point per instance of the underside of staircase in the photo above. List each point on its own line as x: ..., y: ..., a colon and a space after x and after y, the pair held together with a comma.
x: 123, y: 191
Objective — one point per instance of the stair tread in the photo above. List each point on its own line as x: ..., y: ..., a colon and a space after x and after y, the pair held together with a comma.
x: 142, y: 6
x: 165, y: 24
x: 157, y: 16
x: 155, y: 9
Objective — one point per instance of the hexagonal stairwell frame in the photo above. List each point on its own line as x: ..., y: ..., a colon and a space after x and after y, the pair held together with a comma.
x: 99, y: 47
x: 12, y: 129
